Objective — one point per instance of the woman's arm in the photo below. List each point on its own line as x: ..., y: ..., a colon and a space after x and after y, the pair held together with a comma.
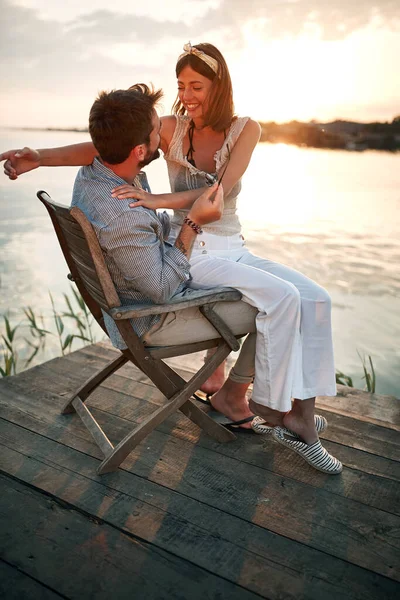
x: 241, y: 155
x: 27, y: 159
x: 173, y: 201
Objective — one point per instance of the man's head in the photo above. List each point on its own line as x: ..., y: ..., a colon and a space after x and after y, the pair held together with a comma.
x: 122, y: 120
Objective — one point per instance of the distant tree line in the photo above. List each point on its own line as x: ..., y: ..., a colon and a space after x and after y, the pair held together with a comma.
x: 348, y: 135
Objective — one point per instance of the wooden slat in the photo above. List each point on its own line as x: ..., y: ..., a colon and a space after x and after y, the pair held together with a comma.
x: 197, y: 298
x: 79, y: 248
x: 343, y: 430
x: 69, y: 225
x: 228, y: 546
x: 98, y: 258
x: 87, y: 272
x: 130, y: 406
x: 93, y: 427
x: 82, y: 558
x: 93, y: 291
x: 240, y: 488
x: 370, y: 408
x: 16, y: 585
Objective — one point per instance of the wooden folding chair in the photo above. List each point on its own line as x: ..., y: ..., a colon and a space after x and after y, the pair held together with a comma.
x: 88, y: 270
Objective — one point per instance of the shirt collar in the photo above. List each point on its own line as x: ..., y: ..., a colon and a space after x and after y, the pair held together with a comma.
x: 139, y: 181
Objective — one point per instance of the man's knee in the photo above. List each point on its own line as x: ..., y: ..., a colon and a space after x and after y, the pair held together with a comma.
x: 239, y: 316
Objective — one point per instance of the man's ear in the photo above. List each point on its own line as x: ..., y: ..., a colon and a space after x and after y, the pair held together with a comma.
x: 139, y: 152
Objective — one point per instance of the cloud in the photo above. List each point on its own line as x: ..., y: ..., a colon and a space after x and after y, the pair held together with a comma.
x: 335, y: 19
x: 38, y: 53
x: 81, y: 53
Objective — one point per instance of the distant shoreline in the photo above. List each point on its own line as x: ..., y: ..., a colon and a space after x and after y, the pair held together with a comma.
x: 62, y: 129
x: 336, y: 135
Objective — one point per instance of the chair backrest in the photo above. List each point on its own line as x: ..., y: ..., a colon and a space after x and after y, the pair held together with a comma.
x: 84, y: 257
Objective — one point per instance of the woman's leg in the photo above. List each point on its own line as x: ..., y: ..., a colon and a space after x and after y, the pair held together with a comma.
x: 315, y: 369
x: 277, y: 322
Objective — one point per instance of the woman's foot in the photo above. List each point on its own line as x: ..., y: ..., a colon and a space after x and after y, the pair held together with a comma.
x: 303, y: 427
x: 300, y: 419
x: 231, y: 401
x: 215, y: 381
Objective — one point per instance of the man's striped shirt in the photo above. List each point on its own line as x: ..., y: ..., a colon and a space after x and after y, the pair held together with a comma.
x: 144, y: 267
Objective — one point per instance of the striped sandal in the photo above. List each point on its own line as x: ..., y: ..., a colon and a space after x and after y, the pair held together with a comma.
x: 315, y: 454
x: 259, y: 426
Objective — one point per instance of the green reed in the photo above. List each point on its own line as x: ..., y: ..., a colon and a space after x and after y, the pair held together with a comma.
x: 369, y: 375
x: 79, y: 319
x: 74, y: 323
x: 10, y: 354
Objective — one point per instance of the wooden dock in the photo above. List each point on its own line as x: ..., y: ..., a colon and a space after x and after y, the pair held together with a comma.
x: 185, y: 517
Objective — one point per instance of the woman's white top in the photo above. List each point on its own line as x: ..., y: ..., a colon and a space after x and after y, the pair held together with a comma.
x: 184, y: 176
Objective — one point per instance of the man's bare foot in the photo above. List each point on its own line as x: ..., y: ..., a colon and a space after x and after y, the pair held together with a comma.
x: 215, y: 381
x: 231, y: 401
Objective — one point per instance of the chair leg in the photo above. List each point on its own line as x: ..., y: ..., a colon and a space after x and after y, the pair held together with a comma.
x: 181, y: 397
x: 193, y: 412
x: 121, y: 451
x: 215, y: 430
x: 91, y: 384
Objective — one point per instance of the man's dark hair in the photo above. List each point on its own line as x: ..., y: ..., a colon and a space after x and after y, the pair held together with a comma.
x: 122, y: 119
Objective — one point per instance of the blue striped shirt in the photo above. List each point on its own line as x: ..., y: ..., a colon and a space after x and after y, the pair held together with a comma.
x: 144, y: 267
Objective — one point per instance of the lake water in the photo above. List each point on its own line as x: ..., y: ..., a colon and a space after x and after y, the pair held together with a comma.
x: 333, y: 215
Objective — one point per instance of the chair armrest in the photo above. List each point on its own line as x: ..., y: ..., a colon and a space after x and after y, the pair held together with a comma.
x: 195, y: 298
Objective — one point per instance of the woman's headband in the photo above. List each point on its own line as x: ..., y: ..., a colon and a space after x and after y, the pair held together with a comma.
x: 211, y: 62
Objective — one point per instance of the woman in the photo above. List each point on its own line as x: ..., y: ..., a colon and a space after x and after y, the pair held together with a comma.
x: 205, y: 138
x: 200, y: 140
x: 294, y: 351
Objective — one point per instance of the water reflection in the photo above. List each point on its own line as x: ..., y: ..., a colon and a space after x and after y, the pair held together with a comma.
x: 332, y: 215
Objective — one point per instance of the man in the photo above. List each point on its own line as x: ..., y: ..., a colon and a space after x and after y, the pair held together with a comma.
x: 145, y: 268
x: 124, y: 127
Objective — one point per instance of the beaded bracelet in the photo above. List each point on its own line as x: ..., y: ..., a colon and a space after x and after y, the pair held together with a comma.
x: 193, y: 225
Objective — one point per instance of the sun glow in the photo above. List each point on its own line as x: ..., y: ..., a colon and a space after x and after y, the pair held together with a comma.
x: 306, y: 77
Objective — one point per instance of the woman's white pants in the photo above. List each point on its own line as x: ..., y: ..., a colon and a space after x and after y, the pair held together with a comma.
x: 293, y: 346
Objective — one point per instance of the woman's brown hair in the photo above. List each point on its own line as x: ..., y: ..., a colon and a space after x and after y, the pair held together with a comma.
x: 220, y: 111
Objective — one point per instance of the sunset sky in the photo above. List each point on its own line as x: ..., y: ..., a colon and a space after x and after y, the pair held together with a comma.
x: 289, y: 59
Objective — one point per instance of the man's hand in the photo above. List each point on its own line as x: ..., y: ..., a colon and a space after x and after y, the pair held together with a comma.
x: 20, y: 161
x: 209, y: 206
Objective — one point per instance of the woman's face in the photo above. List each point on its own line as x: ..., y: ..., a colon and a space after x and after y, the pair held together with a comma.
x: 193, y: 90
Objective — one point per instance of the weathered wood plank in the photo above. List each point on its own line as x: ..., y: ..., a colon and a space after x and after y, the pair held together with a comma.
x: 357, y: 485
x: 340, y: 413
x: 253, y: 493
x: 16, y: 585
x: 82, y: 558
x: 371, y: 408
x: 344, y: 430
x: 236, y: 550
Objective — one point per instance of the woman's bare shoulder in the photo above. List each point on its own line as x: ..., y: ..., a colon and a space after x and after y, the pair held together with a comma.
x: 168, y: 124
x: 252, y: 128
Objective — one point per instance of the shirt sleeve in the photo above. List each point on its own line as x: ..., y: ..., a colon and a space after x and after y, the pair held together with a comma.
x: 154, y: 268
